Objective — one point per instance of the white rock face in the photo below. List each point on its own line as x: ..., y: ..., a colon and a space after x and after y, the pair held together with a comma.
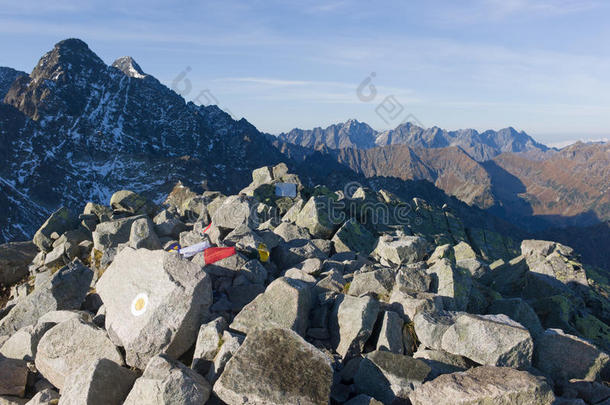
x: 351, y: 323
x: 155, y: 302
x: 68, y: 346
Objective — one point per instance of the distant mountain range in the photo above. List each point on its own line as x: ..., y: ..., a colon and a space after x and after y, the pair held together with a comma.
x: 76, y: 129
x: 353, y: 134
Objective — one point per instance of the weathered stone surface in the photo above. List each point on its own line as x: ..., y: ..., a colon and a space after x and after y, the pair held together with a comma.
x: 229, y: 344
x: 128, y: 202
x: 167, y: 224
x: 484, y: 385
x: 112, y: 233
x: 317, y: 218
x: 400, y: 249
x: 56, y: 317
x: 442, y: 362
x: 507, y: 278
x: 166, y: 381
x: 66, y: 289
x: 408, y: 303
x: 235, y: 211
x: 351, y: 323
x: 12, y: 400
x: 289, y: 371
x: 59, y: 222
x: 100, y: 382
x: 390, y: 334
x: 378, y: 281
x: 155, y: 302
x: 288, y: 231
x: 387, y: 376
x: 452, y: 283
x: 412, y: 278
x: 285, y: 303
x: 520, y: 311
x: 431, y: 326
x: 68, y: 346
x: 564, y: 357
x: 353, y: 237
x: 494, y: 340
x: 101, y: 212
x: 13, y: 376
x: 142, y: 235
x: 363, y: 399
x: 208, y: 342
x: 15, y: 258
x: 24, y: 343
x: 554, y: 260
x: 289, y: 254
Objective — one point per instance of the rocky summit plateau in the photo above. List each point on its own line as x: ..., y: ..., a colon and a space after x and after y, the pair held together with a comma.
x: 265, y: 298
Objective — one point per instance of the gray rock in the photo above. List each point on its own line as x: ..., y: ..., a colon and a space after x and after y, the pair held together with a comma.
x: 47, y: 396
x: 112, y: 233
x: 235, y: 211
x: 388, y: 376
x: 143, y: 236
x: 363, y: 400
x: 378, y: 281
x: 229, y: 344
x: 128, y: 202
x: 288, y: 231
x: 400, y: 249
x: 13, y: 376
x: 591, y: 391
x: 485, y: 385
x: 293, y: 212
x: 318, y: 216
x: 494, y: 340
x: 285, y: 303
x: 333, y: 282
x: 288, y: 371
x: 297, y: 274
x: 442, y: 362
x: 66, y: 289
x: 101, y: 212
x: 166, y: 381
x: 227, y: 267
x: 167, y: 224
x: 408, y: 304
x: 24, y: 343
x: 554, y: 260
x: 520, y: 311
x: 452, y: 283
x: 59, y: 222
x: 354, y: 237
x: 55, y: 317
x: 565, y: 357
x: 155, y: 302
x: 351, y: 324
x: 15, y: 258
x: 208, y: 342
x: 11, y: 400
x: 413, y: 279
x: 289, y: 254
x: 390, y: 334
x: 431, y: 326
x: 68, y: 346
x: 100, y: 382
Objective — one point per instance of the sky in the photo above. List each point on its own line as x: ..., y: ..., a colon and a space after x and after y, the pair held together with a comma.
x: 541, y: 66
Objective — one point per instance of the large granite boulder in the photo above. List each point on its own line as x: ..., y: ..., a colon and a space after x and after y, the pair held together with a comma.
x: 485, y: 385
x: 166, y: 381
x: 155, y: 302
x: 276, y: 366
x: 128, y: 202
x: 285, y: 304
x: 235, y: 211
x: 452, y: 283
x: 15, y: 259
x: 319, y: 217
x: 13, y: 376
x: 100, y: 382
x: 351, y: 323
x: 70, y: 345
x: 112, y: 233
x: 400, y: 249
x: 353, y: 237
x: 66, y: 289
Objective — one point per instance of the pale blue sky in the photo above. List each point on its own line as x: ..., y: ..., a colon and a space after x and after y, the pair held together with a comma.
x: 542, y: 66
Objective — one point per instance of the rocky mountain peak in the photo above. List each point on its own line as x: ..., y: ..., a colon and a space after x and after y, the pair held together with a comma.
x: 128, y: 65
x: 68, y: 59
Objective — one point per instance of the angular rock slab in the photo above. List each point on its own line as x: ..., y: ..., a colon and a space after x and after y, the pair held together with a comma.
x: 494, y: 340
x: 401, y: 249
x: 59, y: 222
x: 155, y: 302
x: 285, y: 304
x: 318, y: 217
x: 13, y: 376
x: 276, y: 366
x: 70, y: 345
x: 235, y: 211
x: 101, y: 382
x: 387, y: 376
x: 351, y: 323
x: 353, y: 237
x: 15, y: 258
x: 166, y: 381
x: 485, y: 385
x: 565, y: 357
x: 66, y: 289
